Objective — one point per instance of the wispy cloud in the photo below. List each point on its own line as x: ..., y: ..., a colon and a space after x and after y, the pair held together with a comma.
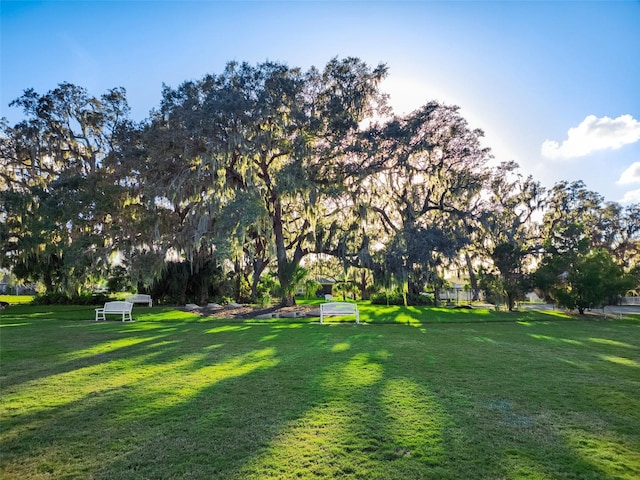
x: 594, y: 134
x: 630, y: 175
x: 631, y: 197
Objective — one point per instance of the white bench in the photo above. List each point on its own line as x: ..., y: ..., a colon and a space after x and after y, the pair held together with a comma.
x: 140, y: 298
x: 119, y: 308
x: 333, y: 309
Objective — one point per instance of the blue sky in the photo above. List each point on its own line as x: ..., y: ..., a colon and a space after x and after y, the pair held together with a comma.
x: 554, y: 85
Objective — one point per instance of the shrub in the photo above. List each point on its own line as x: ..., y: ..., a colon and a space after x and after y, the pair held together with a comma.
x: 56, y: 298
x: 265, y: 300
x: 119, y: 281
x: 221, y: 300
x: 311, y: 288
x: 180, y: 283
x: 395, y: 297
x: 268, y: 284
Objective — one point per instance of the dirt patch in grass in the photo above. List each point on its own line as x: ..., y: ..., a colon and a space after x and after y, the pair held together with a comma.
x: 252, y: 311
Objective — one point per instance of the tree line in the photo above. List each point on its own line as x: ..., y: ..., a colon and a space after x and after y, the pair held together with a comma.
x: 235, y: 181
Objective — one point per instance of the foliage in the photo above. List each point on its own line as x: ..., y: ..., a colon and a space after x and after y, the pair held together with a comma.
x: 397, y: 297
x: 265, y: 300
x: 180, y: 284
x: 256, y: 168
x: 345, y: 289
x: 55, y: 298
x: 593, y: 280
x: 297, y: 279
x: 311, y: 288
x: 234, y: 160
x: 268, y: 285
x: 433, y: 172
x: 504, y: 232
x: 587, y: 245
x: 492, y: 286
x: 119, y: 279
x: 52, y: 228
x: 579, y: 220
x: 508, y: 259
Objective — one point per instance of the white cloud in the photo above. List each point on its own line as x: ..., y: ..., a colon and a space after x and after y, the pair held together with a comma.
x: 594, y: 134
x: 631, y: 197
x: 630, y: 175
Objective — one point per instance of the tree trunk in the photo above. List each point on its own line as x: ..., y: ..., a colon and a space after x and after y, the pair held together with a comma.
x: 238, y: 279
x: 201, y: 280
x: 363, y: 286
x: 510, y: 301
x: 285, y: 268
x: 288, y: 300
x: 258, y: 268
x: 436, y: 295
x: 48, y: 282
x: 473, y: 281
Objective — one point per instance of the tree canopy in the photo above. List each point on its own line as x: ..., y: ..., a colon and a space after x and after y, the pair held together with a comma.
x: 251, y: 171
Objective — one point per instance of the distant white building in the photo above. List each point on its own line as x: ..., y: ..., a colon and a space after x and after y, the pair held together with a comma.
x: 532, y: 297
x: 456, y: 293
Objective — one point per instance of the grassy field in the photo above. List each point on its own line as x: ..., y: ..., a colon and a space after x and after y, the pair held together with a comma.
x: 16, y: 299
x: 413, y: 394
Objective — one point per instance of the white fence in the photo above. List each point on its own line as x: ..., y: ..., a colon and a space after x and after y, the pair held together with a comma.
x: 630, y: 301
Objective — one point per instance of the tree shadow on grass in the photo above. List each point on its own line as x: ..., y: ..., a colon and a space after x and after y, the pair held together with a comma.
x: 237, y: 401
x: 84, y: 345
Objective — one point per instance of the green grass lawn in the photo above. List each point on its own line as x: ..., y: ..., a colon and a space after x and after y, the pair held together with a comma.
x: 413, y: 394
x: 16, y: 299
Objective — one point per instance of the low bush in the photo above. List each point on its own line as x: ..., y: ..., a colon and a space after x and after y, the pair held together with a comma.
x: 63, y: 299
x: 395, y: 297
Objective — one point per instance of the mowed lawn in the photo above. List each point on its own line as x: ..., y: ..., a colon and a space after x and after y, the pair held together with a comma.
x: 413, y: 394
